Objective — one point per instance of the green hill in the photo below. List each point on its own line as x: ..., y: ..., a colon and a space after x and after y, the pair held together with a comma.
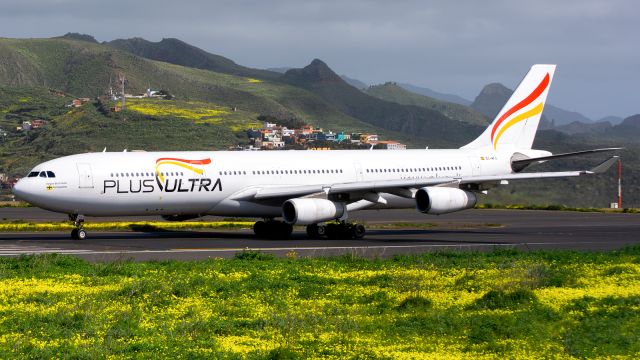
x: 319, y: 79
x: 178, y: 52
x: 78, y: 68
x: 85, y: 69
x: 421, y: 122
x: 393, y: 92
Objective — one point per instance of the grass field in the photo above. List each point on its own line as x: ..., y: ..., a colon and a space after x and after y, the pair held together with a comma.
x: 503, y: 304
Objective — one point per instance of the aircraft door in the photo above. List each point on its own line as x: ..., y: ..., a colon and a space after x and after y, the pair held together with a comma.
x: 475, y: 165
x: 358, y: 169
x: 85, y: 176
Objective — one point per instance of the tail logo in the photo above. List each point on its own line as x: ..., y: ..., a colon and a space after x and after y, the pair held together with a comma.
x: 510, y: 118
x: 183, y: 163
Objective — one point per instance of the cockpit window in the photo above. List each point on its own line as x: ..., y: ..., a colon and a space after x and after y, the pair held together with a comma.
x: 43, y: 174
x: 51, y: 174
x: 33, y: 174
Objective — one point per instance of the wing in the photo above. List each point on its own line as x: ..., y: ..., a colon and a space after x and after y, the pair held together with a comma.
x: 401, y: 187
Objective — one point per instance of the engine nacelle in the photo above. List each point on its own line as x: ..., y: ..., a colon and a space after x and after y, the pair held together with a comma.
x: 442, y: 200
x: 311, y: 211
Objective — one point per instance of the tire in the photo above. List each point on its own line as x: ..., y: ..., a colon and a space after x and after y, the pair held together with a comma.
x: 358, y: 231
x: 260, y: 228
x: 333, y: 231
x: 285, y: 230
x: 313, y: 231
x: 82, y: 234
x: 74, y: 234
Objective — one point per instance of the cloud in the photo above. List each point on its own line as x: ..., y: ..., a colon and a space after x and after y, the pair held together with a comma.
x: 454, y: 46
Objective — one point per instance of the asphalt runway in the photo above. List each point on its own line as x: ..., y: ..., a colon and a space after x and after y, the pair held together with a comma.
x: 479, y: 230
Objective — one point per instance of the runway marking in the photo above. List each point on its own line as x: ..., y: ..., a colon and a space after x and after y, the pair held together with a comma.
x: 16, y: 249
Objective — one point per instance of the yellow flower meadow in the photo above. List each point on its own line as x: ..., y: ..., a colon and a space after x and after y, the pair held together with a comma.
x: 433, y: 306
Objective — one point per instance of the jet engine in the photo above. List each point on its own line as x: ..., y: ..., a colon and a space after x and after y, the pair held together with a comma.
x: 442, y: 200
x: 311, y: 211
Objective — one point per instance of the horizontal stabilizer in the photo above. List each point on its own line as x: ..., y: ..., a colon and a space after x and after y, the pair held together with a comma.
x: 605, y: 165
x: 520, y: 164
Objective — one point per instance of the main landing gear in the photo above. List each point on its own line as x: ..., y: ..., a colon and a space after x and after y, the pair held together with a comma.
x: 337, y: 230
x: 272, y: 229
x: 78, y: 233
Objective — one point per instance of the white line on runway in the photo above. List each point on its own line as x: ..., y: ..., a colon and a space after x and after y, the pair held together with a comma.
x: 14, y: 250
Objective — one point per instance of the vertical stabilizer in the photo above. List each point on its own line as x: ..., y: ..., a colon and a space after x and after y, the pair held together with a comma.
x: 516, y: 124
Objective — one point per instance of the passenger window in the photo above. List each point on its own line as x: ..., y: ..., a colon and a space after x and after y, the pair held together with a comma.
x: 51, y: 174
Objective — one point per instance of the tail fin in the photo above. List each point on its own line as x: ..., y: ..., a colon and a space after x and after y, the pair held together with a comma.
x: 516, y: 124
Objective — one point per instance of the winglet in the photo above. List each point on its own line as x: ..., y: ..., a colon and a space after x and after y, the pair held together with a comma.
x: 605, y: 165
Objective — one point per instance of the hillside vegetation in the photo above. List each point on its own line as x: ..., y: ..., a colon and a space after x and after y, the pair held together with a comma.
x: 395, y: 93
x: 421, y: 122
x: 32, y: 70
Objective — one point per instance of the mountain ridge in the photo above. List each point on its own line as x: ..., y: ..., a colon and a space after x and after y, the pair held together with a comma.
x: 320, y: 79
x: 436, y: 94
x: 178, y: 52
x: 391, y: 91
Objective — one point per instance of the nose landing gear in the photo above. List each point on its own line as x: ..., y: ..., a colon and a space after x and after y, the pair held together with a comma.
x: 78, y: 233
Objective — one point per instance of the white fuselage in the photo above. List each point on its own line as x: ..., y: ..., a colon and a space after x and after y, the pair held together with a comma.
x: 166, y: 183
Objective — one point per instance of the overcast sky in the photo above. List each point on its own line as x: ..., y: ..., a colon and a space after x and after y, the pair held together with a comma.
x: 449, y: 46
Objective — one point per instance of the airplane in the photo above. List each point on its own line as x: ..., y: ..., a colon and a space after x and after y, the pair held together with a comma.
x: 318, y: 189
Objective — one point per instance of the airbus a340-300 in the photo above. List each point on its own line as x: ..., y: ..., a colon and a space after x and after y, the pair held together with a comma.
x: 311, y: 188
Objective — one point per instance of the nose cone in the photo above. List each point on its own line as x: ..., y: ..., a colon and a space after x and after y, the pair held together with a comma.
x: 20, y: 190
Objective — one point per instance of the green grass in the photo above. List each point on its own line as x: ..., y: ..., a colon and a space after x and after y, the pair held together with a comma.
x: 555, y: 208
x: 503, y: 304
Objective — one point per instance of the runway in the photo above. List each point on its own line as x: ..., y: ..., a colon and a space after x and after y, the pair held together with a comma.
x: 412, y: 232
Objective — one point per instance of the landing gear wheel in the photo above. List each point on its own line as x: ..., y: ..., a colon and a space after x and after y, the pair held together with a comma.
x: 260, y: 228
x: 335, y: 231
x: 315, y: 231
x: 78, y: 234
x: 272, y: 229
x: 344, y: 230
x: 358, y: 231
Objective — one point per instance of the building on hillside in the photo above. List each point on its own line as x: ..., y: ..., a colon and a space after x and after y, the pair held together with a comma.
x: 287, y: 132
x: 275, y: 144
x: 37, y: 123
x: 341, y: 136
x: 392, y: 145
x: 78, y: 102
x: 368, y: 138
x: 306, y: 130
x: 330, y: 136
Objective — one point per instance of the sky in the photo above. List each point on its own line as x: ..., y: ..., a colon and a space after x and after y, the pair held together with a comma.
x: 449, y: 46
